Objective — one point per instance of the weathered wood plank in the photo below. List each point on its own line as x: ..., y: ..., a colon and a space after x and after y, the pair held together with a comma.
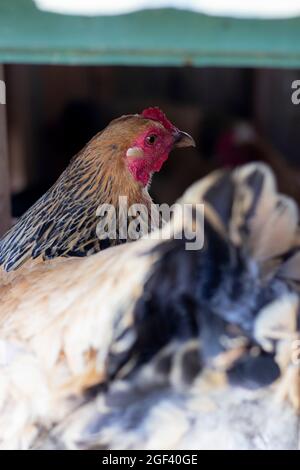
x: 5, y: 218
x: 153, y: 37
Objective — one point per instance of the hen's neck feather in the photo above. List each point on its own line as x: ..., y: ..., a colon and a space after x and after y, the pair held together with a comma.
x: 63, y: 222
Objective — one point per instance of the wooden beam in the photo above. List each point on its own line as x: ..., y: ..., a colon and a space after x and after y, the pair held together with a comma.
x: 5, y: 215
x: 29, y: 35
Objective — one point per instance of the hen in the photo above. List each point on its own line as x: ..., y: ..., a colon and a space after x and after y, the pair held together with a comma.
x: 153, y: 345
x: 119, y: 161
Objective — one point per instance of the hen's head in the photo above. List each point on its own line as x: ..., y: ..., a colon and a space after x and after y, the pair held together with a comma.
x: 144, y: 141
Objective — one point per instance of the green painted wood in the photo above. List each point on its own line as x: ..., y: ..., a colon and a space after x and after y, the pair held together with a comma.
x: 159, y: 37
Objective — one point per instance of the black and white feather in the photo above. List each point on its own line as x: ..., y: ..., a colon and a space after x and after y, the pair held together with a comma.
x: 150, y: 345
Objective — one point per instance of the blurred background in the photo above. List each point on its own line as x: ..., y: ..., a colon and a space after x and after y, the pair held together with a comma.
x: 237, y: 112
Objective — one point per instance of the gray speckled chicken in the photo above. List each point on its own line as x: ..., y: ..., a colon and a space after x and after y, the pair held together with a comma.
x: 153, y: 346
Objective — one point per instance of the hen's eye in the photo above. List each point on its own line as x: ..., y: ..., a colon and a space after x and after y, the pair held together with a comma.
x: 151, y: 139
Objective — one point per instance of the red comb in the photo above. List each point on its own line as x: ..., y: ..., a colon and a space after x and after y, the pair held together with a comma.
x: 157, y: 115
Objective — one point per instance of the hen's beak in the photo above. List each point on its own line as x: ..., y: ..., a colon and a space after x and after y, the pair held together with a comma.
x: 183, y: 139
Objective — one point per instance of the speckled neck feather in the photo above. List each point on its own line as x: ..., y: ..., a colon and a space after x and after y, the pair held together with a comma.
x: 63, y: 221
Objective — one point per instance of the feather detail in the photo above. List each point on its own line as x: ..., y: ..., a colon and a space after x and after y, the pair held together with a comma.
x: 150, y: 344
x: 64, y: 221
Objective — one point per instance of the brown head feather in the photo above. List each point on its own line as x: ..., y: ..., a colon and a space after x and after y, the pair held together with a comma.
x: 63, y: 221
